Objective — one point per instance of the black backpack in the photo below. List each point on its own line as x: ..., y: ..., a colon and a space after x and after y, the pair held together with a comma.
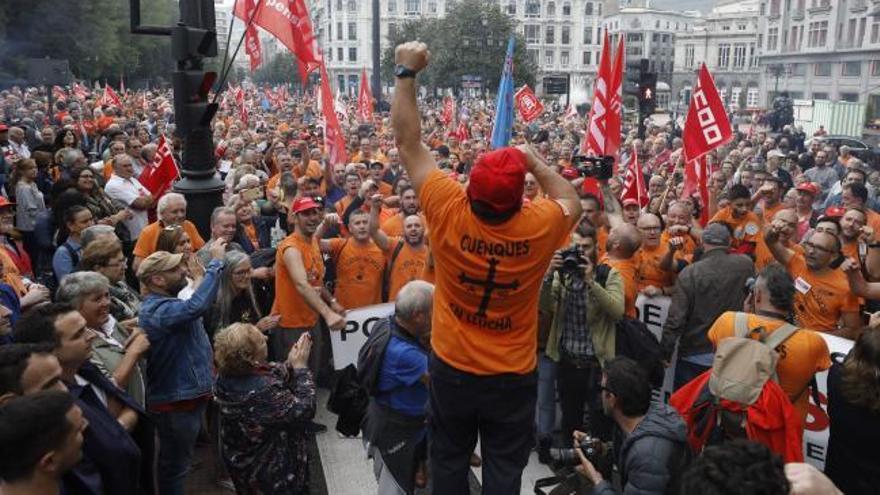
x: 372, y: 353
x: 635, y: 341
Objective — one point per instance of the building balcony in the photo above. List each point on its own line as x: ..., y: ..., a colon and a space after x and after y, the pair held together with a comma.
x: 858, y: 6
x: 797, y: 15
x: 822, y: 9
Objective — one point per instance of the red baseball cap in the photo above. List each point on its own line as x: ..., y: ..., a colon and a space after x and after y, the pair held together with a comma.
x: 497, y: 179
x: 4, y: 201
x: 809, y: 187
x: 835, y: 212
x: 570, y: 174
x: 4, y: 128
x: 629, y: 201
x: 303, y: 204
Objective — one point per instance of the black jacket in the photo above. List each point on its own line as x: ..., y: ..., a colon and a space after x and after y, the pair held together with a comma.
x: 702, y: 292
x: 652, y: 457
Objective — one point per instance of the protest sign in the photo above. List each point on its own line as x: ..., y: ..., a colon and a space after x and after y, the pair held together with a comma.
x: 358, y: 324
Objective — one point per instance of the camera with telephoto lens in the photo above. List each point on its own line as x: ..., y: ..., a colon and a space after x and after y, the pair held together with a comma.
x: 593, y: 449
x: 573, y: 261
x: 600, y: 167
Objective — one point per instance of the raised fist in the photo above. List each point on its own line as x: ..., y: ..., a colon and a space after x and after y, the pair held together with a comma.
x: 413, y: 55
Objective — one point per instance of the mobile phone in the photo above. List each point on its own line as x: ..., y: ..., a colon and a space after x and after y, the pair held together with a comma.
x: 251, y: 194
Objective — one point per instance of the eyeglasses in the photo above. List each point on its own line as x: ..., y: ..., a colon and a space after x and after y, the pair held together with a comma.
x: 650, y: 229
x: 811, y: 246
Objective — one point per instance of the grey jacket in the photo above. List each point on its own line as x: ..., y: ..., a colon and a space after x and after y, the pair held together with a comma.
x: 652, y: 456
x: 703, y: 291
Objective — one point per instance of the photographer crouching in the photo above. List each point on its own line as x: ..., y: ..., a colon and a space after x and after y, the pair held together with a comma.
x: 649, y: 448
x: 583, y: 302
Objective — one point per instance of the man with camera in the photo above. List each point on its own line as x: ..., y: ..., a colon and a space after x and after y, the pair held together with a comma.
x: 650, y: 447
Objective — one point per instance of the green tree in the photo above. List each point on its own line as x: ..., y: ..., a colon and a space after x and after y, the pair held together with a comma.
x: 280, y: 69
x: 470, y: 40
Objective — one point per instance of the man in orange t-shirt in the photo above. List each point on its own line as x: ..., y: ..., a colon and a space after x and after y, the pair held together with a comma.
x: 801, y: 356
x: 824, y: 301
x: 406, y: 255
x: 658, y: 262
x: 622, y: 253
x: 409, y: 205
x: 738, y: 216
x: 172, y: 211
x: 786, y: 219
x: 300, y: 296
x: 491, y: 255
x: 360, y: 264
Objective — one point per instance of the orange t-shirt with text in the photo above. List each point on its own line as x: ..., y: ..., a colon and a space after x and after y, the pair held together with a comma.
x: 359, y: 271
x: 820, y: 299
x: 488, y: 278
x: 289, y: 303
x: 408, y: 266
x: 800, y: 357
x: 745, y: 229
x: 146, y: 243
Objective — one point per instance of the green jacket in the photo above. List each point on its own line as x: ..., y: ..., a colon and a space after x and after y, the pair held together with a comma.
x: 604, y: 309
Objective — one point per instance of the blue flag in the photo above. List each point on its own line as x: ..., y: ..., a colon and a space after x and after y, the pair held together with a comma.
x: 501, y: 131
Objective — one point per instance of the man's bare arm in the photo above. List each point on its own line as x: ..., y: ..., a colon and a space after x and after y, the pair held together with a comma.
x: 405, y: 118
x: 556, y: 187
x: 376, y: 233
x: 294, y: 263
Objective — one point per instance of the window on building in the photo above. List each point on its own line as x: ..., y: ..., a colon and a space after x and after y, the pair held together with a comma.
x: 634, y: 37
x: 392, y: 6
x: 412, y: 7
x: 588, y: 35
x: 352, y: 30
x: 352, y: 84
x: 352, y: 6
x: 875, y: 32
x: 739, y: 56
x: 818, y: 34
x: 566, y: 9
x: 392, y: 29
x: 340, y: 54
x: 432, y: 7
x: 533, y: 33
x: 723, y: 55
x: 339, y: 30
x: 588, y: 58
x: 533, y: 55
x: 566, y: 35
x: 753, y: 57
x: 860, y: 37
x: 850, y: 97
x: 798, y: 70
x: 772, y: 38
x: 533, y: 8
x: 725, y: 27
x: 752, y: 97
x: 548, y: 57
x: 822, y: 69
x: 353, y: 54
x: 340, y: 83
x: 735, y: 93
x: 599, y: 9
x: 851, y: 69
x: 820, y: 95
x: 874, y: 107
x: 511, y: 7
x: 551, y: 9
x: 851, y: 33
x: 688, y: 56
x: 588, y: 10
x: 741, y: 27
x: 657, y: 24
x: 774, y: 7
x: 875, y: 67
x: 339, y: 5
x: 563, y: 58
x: 549, y: 35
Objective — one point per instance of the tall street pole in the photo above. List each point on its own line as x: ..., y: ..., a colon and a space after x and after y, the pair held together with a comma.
x: 377, y: 53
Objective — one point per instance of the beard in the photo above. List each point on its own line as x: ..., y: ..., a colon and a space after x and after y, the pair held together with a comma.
x: 175, y: 287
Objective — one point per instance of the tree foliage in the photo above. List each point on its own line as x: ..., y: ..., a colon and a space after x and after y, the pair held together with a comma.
x: 470, y: 40
x: 93, y: 35
x: 281, y: 69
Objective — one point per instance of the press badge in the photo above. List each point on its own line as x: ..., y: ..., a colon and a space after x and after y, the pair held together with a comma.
x: 802, y: 286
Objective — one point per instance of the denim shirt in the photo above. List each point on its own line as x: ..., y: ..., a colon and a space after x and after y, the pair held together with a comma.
x: 179, y: 362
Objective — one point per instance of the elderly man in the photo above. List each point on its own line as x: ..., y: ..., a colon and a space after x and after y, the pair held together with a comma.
x: 172, y: 211
x: 126, y: 189
x: 17, y: 143
x: 623, y: 244
x: 395, y: 432
x: 223, y: 226
x: 703, y: 291
x: 180, y: 363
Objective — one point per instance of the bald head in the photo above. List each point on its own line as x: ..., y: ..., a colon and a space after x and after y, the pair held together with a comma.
x: 623, y: 241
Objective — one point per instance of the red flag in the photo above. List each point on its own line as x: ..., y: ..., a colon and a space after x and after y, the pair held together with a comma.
x: 159, y: 176
x: 461, y: 132
x: 251, y: 38
x: 597, y: 127
x: 591, y: 186
x: 288, y: 20
x: 110, y: 98
x: 365, y: 100
x: 80, y: 91
x: 634, y: 181
x: 59, y: 93
x: 448, y: 114
x: 527, y: 104
x: 707, y: 126
x: 615, y: 106
x: 570, y: 112
x: 696, y: 179
x: 334, y: 142
x: 242, y: 108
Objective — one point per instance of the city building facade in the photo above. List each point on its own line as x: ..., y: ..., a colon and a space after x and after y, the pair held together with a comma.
x: 727, y: 43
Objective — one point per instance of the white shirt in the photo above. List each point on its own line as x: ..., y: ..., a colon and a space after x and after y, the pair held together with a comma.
x: 20, y: 149
x: 127, y: 191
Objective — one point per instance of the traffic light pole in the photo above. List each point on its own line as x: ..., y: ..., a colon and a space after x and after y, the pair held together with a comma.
x: 192, y: 39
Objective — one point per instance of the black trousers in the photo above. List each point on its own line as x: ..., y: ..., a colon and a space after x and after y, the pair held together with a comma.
x: 579, y: 385
x: 500, y: 408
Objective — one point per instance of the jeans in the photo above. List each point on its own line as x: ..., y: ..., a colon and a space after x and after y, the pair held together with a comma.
x: 177, y: 440
x: 500, y: 408
x: 580, y: 386
x: 546, y: 396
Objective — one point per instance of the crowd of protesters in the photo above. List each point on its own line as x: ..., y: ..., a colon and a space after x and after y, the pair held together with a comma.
x: 159, y: 333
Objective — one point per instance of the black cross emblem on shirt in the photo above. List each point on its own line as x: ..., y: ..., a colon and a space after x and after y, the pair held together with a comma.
x: 489, y: 285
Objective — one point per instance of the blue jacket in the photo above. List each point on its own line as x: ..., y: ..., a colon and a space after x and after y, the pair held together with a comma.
x: 179, y: 362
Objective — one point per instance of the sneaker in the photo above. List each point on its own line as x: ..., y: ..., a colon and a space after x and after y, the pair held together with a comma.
x: 344, y: 436
x: 226, y: 484
x: 313, y: 427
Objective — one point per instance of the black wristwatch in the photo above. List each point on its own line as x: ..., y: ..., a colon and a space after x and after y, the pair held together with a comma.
x: 403, y: 71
